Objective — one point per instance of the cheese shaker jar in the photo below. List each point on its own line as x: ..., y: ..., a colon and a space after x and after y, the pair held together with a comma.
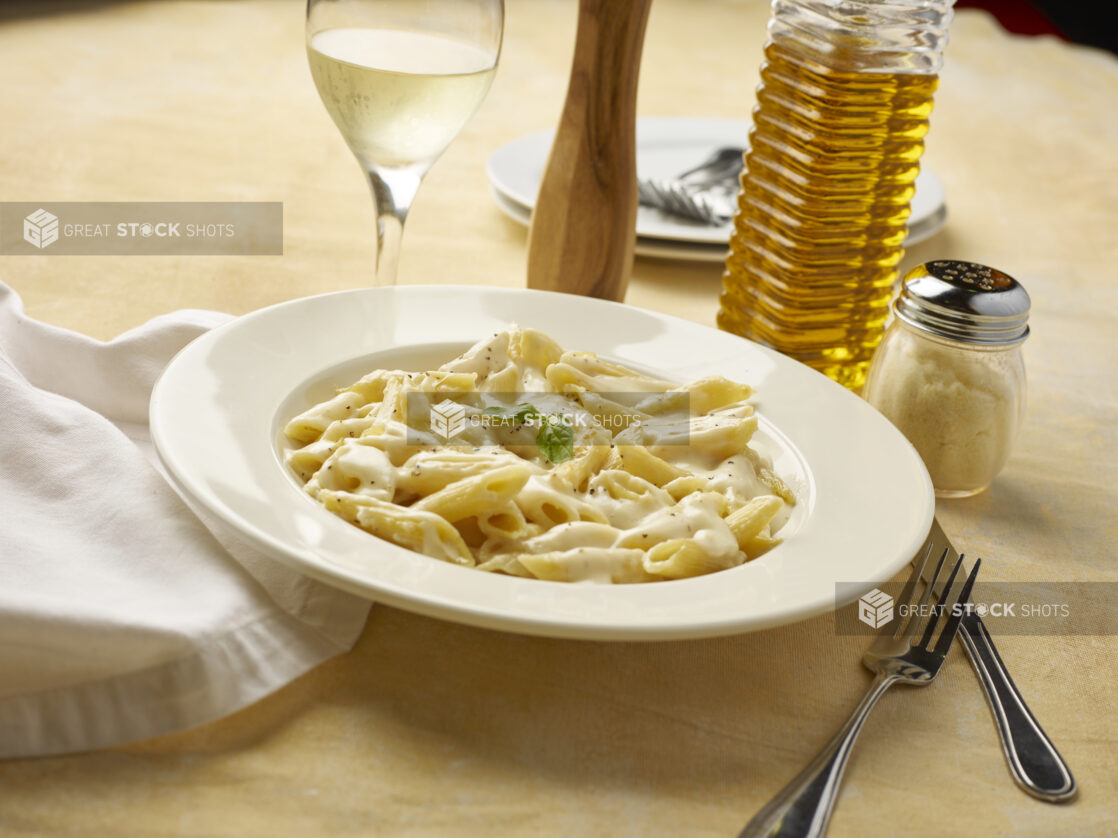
x: 949, y: 372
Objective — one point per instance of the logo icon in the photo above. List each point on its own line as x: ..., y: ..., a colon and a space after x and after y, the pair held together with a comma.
x: 875, y: 609
x: 448, y: 419
x: 40, y: 228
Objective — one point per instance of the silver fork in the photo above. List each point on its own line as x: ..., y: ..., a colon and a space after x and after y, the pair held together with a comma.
x: 803, y: 808
x: 711, y: 206
x: 723, y: 165
x: 702, y: 193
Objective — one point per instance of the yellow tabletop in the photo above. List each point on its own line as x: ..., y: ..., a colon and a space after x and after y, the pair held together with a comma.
x: 428, y: 728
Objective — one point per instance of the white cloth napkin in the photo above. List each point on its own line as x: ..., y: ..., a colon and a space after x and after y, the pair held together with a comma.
x: 122, y: 616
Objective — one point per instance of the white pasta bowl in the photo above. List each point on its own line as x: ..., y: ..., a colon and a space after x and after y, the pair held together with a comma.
x: 864, y: 499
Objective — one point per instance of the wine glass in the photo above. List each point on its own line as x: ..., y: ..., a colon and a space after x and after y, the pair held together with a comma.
x: 401, y: 78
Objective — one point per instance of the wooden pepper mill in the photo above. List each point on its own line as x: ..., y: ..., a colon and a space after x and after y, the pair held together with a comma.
x: 584, y: 222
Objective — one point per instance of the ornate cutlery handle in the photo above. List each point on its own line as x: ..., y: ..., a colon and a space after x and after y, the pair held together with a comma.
x: 1033, y: 760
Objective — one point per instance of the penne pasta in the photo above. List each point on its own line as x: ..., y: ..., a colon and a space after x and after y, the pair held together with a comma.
x: 427, y: 472
x: 309, y: 425
x: 576, y: 472
x: 641, y: 462
x: 506, y: 523
x: 714, y: 393
x: 508, y: 564
x: 683, y: 557
x: 580, y: 564
x: 306, y: 461
x: 748, y: 521
x: 521, y: 459
x: 423, y: 532
x: 477, y: 494
x: 549, y: 505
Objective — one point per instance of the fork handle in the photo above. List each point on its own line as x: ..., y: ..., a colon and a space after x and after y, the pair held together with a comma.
x: 803, y: 807
x: 1033, y: 760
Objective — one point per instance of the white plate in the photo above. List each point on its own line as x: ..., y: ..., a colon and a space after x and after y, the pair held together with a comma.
x: 865, y: 499
x: 688, y: 251
x: 654, y: 248
x: 666, y: 147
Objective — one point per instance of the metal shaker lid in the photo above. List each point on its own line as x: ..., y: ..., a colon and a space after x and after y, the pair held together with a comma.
x: 964, y: 301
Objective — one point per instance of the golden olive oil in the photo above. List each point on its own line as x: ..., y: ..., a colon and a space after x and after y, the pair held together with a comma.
x: 823, y: 208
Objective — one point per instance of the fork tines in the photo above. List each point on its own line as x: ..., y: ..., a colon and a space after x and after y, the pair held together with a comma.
x: 950, y: 607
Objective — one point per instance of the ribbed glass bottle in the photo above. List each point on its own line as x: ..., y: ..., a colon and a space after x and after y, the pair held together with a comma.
x: 838, y: 130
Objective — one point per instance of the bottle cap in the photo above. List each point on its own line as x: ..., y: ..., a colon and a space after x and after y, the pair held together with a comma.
x: 964, y: 301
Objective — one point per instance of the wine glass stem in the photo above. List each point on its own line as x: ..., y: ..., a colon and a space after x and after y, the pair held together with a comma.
x: 393, y: 193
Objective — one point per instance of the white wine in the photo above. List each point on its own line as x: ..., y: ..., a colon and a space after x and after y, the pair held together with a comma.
x: 398, y: 97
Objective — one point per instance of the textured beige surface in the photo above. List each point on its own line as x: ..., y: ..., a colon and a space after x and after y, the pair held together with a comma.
x: 432, y: 729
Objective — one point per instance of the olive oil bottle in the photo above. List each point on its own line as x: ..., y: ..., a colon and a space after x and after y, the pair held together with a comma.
x: 838, y: 130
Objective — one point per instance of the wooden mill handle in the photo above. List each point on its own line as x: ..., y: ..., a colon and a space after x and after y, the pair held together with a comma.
x: 584, y: 221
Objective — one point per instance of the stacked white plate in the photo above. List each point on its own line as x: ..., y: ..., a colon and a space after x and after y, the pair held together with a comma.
x: 666, y: 147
